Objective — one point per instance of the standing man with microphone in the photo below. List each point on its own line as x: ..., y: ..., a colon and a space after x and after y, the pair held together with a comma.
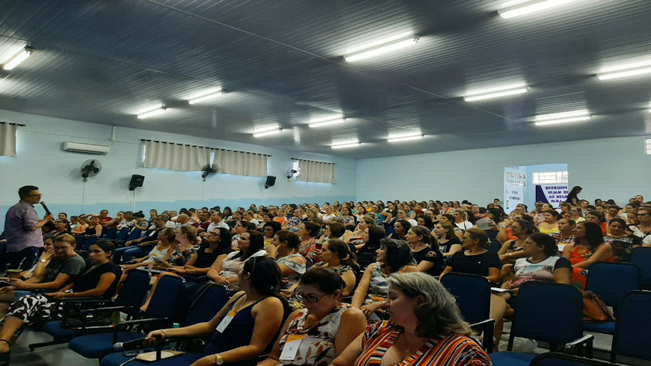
x: 23, y: 229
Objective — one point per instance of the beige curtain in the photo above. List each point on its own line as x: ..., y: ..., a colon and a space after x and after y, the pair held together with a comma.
x: 316, y: 171
x: 8, y: 139
x: 241, y: 163
x: 172, y: 156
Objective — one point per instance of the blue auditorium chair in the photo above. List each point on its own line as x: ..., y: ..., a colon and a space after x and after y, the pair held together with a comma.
x: 641, y: 257
x: 611, y: 281
x: 633, y: 327
x: 548, y: 312
x: 207, y: 303
x: 130, y: 296
x: 162, y: 309
x: 473, y: 295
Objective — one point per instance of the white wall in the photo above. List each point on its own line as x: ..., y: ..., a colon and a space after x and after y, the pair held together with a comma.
x: 42, y: 162
x: 616, y: 168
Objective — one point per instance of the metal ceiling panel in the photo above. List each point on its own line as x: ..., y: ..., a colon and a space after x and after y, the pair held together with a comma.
x: 280, y: 62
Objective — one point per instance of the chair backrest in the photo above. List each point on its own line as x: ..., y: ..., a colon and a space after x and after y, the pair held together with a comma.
x: 134, y: 234
x: 495, y: 246
x: 88, y: 241
x: 473, y: 294
x: 122, y: 234
x: 165, y: 299
x: 612, y: 280
x: 110, y: 233
x: 641, y: 257
x: 133, y: 291
x: 210, y: 298
x: 562, y: 359
x: 548, y: 312
x: 633, y: 326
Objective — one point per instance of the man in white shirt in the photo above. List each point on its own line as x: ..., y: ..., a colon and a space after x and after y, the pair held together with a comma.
x: 215, y: 222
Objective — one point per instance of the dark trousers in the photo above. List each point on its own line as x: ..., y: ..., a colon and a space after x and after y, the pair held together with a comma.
x: 23, y: 259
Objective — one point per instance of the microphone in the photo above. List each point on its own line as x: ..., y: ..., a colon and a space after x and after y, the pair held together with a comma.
x: 129, y: 345
x: 47, y: 211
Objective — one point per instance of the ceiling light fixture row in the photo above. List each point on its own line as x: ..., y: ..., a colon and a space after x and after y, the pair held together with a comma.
x: 560, y: 118
x: 153, y: 112
x: 497, y: 92
x: 626, y: 70
x: 19, y: 57
x: 326, y: 121
x: 391, y: 139
x: 383, y: 46
x: 530, y: 6
x: 267, y: 131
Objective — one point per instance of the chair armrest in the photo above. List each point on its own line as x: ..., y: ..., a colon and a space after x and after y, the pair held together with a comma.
x: 587, y: 338
x: 488, y: 325
x: 139, y: 321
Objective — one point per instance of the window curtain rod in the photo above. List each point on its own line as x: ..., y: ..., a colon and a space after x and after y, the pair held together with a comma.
x: 14, y: 124
x: 204, y: 147
x: 313, y: 161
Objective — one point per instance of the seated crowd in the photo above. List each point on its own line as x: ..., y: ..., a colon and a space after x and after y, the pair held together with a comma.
x: 296, y: 273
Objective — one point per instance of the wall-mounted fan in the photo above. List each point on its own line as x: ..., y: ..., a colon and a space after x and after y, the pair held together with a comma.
x: 209, y: 170
x: 90, y: 168
x: 293, y: 172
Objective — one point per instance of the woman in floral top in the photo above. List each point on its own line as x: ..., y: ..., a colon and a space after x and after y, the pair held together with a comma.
x: 309, y: 248
x: 316, y: 330
x: 291, y: 263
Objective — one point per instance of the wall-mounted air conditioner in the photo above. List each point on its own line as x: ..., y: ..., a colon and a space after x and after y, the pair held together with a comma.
x: 79, y: 147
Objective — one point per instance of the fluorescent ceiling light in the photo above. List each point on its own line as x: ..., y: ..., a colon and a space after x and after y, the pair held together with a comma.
x: 18, y: 58
x: 562, y: 120
x: 153, y: 112
x: 267, y: 132
x: 496, y: 92
x: 205, y: 97
x: 381, y: 47
x: 530, y: 7
x: 564, y: 117
x: 622, y: 71
x: 409, y: 137
x: 346, y: 144
x: 547, y: 117
x: 328, y: 118
x: 327, y: 123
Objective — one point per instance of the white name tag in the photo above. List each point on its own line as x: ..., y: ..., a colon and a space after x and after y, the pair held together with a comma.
x: 291, y: 347
x: 226, y: 321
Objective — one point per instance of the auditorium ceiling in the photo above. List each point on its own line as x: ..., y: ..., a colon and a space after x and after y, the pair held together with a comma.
x: 280, y: 65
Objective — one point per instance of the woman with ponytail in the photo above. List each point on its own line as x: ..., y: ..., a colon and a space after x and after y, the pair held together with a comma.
x: 336, y: 256
x: 244, y: 328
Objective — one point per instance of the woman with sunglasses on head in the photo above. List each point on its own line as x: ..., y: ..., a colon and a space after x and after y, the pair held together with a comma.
x: 513, y: 249
x: 393, y: 256
x: 244, y: 328
x: 622, y: 245
x: 643, y: 227
x: 317, y: 329
x: 225, y: 272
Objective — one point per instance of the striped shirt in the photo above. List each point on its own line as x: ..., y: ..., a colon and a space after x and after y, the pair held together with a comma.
x: 450, y: 350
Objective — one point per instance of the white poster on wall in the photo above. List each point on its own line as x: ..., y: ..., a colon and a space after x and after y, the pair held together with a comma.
x: 513, y: 196
x: 515, y: 180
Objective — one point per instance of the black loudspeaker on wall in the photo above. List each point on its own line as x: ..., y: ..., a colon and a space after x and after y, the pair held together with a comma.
x: 271, y: 180
x: 136, y: 181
